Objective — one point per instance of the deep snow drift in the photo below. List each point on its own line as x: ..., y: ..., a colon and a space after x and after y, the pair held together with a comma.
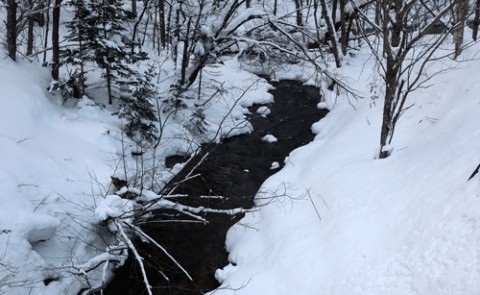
x: 336, y: 220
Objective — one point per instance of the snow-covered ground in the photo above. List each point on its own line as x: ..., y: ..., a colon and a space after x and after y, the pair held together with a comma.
x: 55, y: 170
x: 336, y: 220
x: 53, y: 165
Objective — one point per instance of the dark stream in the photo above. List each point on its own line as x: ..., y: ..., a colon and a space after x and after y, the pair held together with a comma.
x: 234, y: 169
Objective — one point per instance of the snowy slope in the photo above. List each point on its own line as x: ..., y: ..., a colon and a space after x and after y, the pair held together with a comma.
x: 56, y: 164
x: 336, y: 220
x: 52, y: 160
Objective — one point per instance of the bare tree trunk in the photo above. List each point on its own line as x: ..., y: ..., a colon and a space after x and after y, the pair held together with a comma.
x: 168, y: 27
x: 134, y: 7
x: 137, y: 23
x: 12, y: 29
x: 176, y: 36
x: 161, y: 11
x: 47, y: 28
x: 298, y: 9
x: 476, y: 20
x: 185, y: 55
x: 461, y: 13
x: 396, y: 68
x: 156, y: 41
x: 334, y: 11
x: 378, y: 12
x: 390, y: 92
x: 82, y: 67
x: 343, y: 27
x: 332, y: 34
x: 55, y: 39
x: 275, y: 4
x: 317, y: 23
x: 108, y: 72
x: 397, y: 24
x: 109, y: 84
x: 30, y: 28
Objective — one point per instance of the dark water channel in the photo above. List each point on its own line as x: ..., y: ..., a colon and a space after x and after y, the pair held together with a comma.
x: 234, y: 169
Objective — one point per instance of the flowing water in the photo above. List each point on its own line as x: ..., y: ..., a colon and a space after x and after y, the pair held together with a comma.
x: 234, y: 169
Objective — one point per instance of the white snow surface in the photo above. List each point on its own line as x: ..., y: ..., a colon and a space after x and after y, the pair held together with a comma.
x: 270, y: 138
x: 263, y: 111
x: 348, y: 223
x: 51, y: 161
x: 345, y: 222
x: 55, y: 169
x: 275, y: 165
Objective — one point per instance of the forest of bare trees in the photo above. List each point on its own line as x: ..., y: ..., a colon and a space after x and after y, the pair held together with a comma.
x: 195, y: 33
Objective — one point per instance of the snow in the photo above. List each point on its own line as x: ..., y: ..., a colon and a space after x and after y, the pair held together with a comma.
x: 226, y: 115
x: 270, y: 138
x: 275, y: 165
x: 263, y: 111
x: 243, y: 16
x: 113, y: 206
x: 334, y: 220
x: 348, y: 223
x: 51, y: 159
x: 323, y: 106
x: 58, y: 209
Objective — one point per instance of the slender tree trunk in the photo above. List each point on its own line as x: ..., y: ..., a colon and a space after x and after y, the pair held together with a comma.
x: 156, y: 41
x: 168, y: 27
x: 461, y: 13
x: 161, y: 12
x: 12, y: 29
x: 378, y: 12
x: 47, y: 28
x: 332, y: 34
x: 30, y: 29
x: 390, y: 91
x: 185, y: 56
x: 82, y: 74
x: 134, y: 7
x: 137, y: 24
x: 275, y: 4
x: 334, y: 10
x: 343, y: 27
x: 109, y: 84
x: 397, y: 25
x: 108, y: 71
x: 55, y: 39
x: 298, y: 9
x: 82, y: 68
x: 176, y: 36
x: 476, y: 20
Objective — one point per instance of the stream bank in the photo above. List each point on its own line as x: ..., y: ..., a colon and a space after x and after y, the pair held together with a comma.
x: 234, y: 169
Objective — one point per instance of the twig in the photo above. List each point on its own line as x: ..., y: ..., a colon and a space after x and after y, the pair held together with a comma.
x: 138, y: 258
x: 141, y: 233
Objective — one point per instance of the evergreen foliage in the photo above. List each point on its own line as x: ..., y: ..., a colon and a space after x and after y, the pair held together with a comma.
x: 98, y: 35
x: 137, y: 107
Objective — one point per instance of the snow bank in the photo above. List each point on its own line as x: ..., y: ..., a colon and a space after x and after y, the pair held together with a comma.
x: 52, y: 160
x: 56, y: 161
x: 352, y: 224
